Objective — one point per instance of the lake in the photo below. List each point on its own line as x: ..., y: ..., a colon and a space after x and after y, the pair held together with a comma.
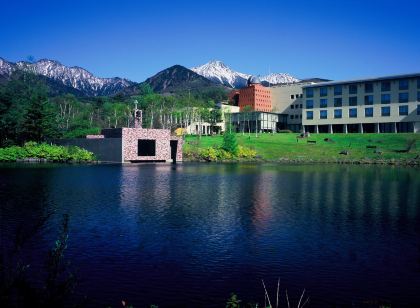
x: 188, y: 235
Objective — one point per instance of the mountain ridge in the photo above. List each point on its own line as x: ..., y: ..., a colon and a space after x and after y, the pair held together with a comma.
x: 75, y: 77
x: 217, y: 71
x: 212, y: 76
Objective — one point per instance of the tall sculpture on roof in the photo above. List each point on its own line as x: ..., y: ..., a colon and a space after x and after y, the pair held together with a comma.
x: 138, y: 116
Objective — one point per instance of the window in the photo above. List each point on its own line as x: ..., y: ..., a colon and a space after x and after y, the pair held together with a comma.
x: 323, y: 91
x: 301, y: 95
x: 292, y: 96
x: 368, y: 99
x: 323, y: 103
x: 385, y: 98
x: 146, y: 147
x: 403, y: 97
x: 338, y: 90
x: 418, y: 96
x: 385, y: 111
x: 323, y: 114
x: 309, y: 115
x: 403, y: 84
x: 403, y: 110
x: 418, y: 83
x: 353, y: 89
x: 292, y: 106
x: 338, y: 113
x: 353, y: 113
x: 309, y: 92
x: 418, y: 109
x: 292, y: 116
x: 353, y: 100
x: 338, y: 102
x: 300, y: 106
x: 309, y: 104
x: 369, y: 112
x: 368, y: 87
x: 385, y: 86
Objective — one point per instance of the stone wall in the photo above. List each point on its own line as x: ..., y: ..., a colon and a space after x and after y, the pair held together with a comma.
x: 179, y: 148
x: 130, y: 137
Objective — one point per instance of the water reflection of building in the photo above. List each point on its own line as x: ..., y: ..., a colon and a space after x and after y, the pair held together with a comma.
x: 262, y: 200
x: 345, y: 198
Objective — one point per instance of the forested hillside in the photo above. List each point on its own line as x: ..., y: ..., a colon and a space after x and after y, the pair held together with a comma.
x: 31, y: 110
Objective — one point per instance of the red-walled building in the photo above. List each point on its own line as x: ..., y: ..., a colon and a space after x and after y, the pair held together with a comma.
x: 255, y: 95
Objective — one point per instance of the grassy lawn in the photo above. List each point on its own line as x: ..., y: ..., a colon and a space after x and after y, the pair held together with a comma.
x: 287, y: 146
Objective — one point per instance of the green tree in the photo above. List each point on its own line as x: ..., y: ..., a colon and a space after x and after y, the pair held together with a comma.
x: 39, y: 121
x: 25, y: 111
x: 230, y: 143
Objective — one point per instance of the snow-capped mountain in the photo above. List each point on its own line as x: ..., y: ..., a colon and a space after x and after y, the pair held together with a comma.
x: 219, y: 72
x: 75, y: 77
x: 274, y: 78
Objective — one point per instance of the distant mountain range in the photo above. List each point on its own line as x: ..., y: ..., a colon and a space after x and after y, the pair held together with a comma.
x: 219, y: 72
x: 73, y: 77
x: 78, y: 81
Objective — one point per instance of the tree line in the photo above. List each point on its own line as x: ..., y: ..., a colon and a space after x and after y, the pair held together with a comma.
x: 29, y: 113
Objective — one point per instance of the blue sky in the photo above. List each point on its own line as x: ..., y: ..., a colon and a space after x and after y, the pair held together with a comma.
x: 136, y: 39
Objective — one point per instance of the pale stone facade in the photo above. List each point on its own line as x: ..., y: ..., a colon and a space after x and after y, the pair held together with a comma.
x: 375, y: 105
x: 161, y: 144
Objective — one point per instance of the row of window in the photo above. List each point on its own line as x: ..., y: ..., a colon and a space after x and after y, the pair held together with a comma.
x: 403, y: 84
x: 296, y: 106
x: 338, y: 113
x: 295, y: 116
x: 296, y: 95
x: 368, y: 100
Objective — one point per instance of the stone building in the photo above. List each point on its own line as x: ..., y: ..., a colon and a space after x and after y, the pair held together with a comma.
x: 131, y: 145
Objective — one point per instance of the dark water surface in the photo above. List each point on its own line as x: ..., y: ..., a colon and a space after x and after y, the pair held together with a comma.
x: 189, y: 235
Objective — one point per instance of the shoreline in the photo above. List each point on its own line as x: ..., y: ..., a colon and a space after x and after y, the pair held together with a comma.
x: 286, y: 161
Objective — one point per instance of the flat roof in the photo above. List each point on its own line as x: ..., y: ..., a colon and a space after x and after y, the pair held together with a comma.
x: 331, y: 83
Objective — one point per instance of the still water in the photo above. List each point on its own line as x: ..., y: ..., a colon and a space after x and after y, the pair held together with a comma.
x: 188, y: 235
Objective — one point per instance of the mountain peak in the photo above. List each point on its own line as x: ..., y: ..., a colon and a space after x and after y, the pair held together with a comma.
x: 178, y: 78
x: 217, y: 71
x: 217, y: 63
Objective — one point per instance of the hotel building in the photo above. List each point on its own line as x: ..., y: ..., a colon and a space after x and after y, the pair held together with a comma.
x: 375, y: 105
x: 287, y: 99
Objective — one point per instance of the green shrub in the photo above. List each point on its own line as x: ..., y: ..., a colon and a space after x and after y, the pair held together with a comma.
x: 45, y: 151
x: 246, y: 152
x: 209, y: 154
x: 220, y: 154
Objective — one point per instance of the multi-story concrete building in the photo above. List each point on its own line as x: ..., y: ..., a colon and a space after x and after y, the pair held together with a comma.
x: 287, y: 99
x: 374, y: 105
